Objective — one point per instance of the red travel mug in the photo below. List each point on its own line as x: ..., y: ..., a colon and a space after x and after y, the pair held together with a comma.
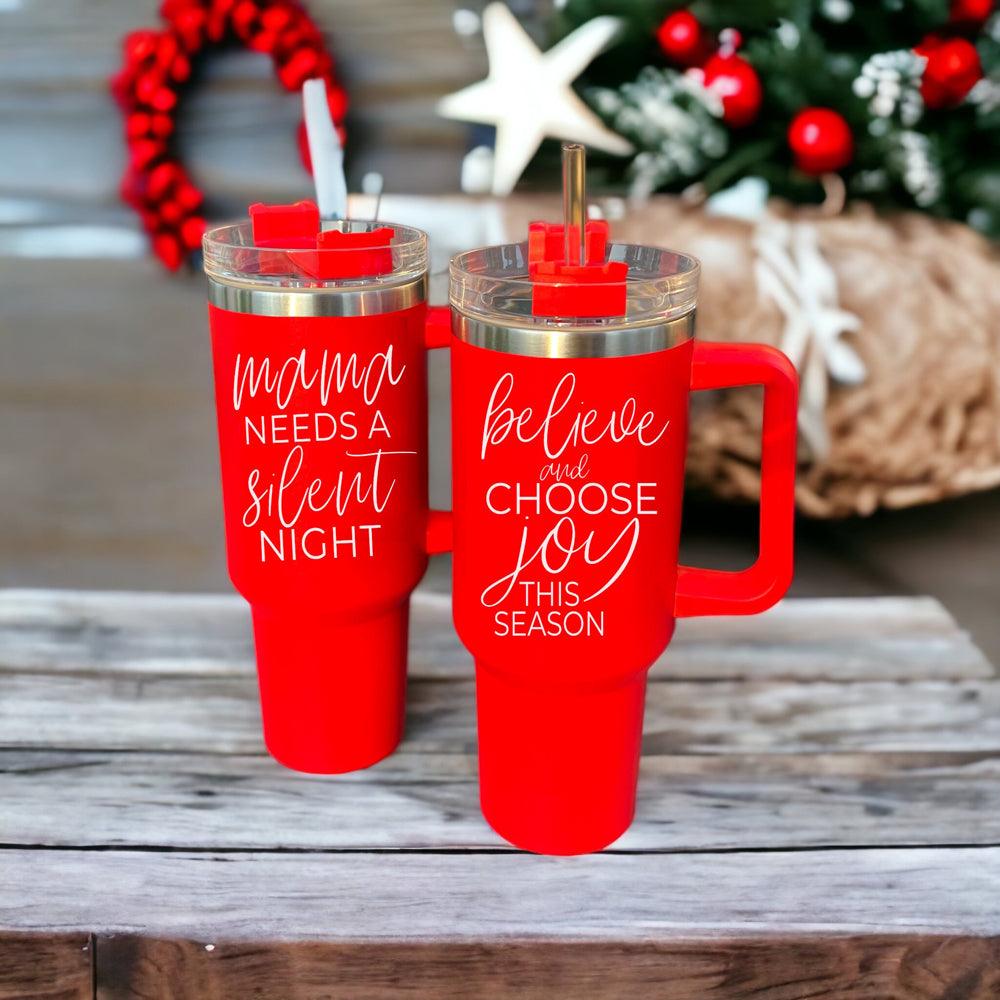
x: 569, y: 440
x: 319, y: 348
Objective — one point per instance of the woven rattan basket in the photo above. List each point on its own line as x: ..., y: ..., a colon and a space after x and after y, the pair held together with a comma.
x: 925, y: 422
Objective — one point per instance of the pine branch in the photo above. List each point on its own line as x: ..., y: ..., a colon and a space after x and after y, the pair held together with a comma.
x: 853, y: 56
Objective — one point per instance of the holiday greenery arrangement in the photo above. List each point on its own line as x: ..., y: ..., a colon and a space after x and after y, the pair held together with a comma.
x: 901, y: 98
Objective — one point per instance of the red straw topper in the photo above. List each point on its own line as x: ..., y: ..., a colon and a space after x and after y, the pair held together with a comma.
x: 578, y: 290
x: 285, y: 226
x: 571, y: 277
x: 349, y: 255
x: 324, y: 254
x: 547, y: 241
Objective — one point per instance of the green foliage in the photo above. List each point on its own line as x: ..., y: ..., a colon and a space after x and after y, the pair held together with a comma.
x: 807, y: 53
x: 672, y: 121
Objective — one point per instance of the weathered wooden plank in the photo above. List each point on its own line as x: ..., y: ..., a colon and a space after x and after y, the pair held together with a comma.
x: 732, y: 717
x: 876, y: 967
x: 49, y: 966
x: 204, y: 635
x: 431, y: 802
x: 837, y: 639
x: 220, y: 715
x: 213, y: 897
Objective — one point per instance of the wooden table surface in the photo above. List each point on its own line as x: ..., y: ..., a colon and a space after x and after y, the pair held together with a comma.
x: 818, y: 816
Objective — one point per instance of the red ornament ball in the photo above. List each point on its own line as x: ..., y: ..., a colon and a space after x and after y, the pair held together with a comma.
x: 970, y: 13
x: 952, y: 70
x: 736, y: 83
x: 683, y: 39
x: 821, y: 140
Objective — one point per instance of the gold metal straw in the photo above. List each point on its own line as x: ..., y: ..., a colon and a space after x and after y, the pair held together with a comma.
x: 574, y: 167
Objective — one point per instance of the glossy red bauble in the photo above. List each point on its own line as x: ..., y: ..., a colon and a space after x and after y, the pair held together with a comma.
x: 970, y: 13
x: 821, y: 140
x: 737, y: 85
x: 683, y: 39
x: 952, y: 70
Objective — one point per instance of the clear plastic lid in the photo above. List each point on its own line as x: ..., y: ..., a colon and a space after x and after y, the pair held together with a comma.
x: 232, y: 258
x: 492, y: 284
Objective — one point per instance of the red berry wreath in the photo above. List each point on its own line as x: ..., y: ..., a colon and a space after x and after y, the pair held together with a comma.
x: 158, y: 64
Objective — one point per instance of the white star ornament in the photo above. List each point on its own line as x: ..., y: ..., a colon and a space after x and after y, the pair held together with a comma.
x: 528, y: 94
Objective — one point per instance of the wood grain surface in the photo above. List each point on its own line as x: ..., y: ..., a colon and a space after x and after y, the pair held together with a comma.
x: 46, y: 966
x: 865, y: 967
x: 455, y: 896
x: 429, y: 802
x: 782, y: 925
x: 818, y: 816
x: 208, y: 635
x: 219, y: 715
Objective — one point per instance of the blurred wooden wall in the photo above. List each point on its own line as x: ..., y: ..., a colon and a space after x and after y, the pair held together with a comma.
x: 61, y: 147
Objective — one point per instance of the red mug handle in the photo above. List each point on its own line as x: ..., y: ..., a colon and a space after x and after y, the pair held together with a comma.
x: 437, y: 333
x: 748, y: 591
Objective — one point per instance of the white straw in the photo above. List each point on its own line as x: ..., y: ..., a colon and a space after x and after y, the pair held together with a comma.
x: 325, y: 151
x: 373, y: 183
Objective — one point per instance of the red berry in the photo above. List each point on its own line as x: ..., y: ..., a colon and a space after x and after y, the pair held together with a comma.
x: 161, y: 179
x: 276, y: 18
x: 188, y: 197
x: 301, y: 67
x: 161, y: 125
x: 147, y: 85
x: 190, y: 25
x: 683, y: 39
x: 140, y: 45
x: 168, y: 248
x: 263, y: 41
x: 821, y: 140
x: 302, y: 141
x: 164, y: 99
x: 736, y: 83
x: 180, y: 68
x: 192, y: 231
x: 244, y: 18
x: 167, y: 49
x: 137, y: 125
x: 130, y: 187
x: 171, y: 213
x: 336, y: 97
x: 217, y: 25
x: 144, y: 151
x: 121, y: 88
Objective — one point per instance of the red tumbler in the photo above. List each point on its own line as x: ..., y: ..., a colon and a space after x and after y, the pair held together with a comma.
x: 570, y: 388
x: 319, y: 344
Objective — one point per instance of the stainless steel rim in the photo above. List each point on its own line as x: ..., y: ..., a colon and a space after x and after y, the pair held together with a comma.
x: 573, y: 342
x: 351, y: 300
